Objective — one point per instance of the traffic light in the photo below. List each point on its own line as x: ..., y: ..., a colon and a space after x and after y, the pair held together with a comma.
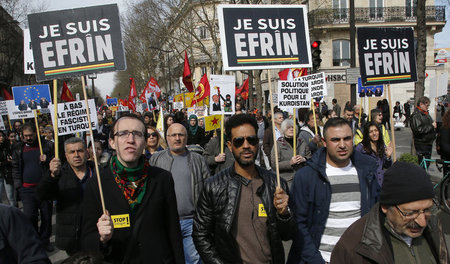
x: 315, y: 52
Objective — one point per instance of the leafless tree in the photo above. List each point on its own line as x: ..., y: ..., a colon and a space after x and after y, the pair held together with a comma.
x: 421, y: 50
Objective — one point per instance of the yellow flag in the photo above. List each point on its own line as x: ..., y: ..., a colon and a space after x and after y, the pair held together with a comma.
x: 212, y: 122
x: 159, y: 125
x: 188, y: 97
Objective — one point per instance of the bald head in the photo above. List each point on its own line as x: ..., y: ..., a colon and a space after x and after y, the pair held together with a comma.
x: 177, y: 138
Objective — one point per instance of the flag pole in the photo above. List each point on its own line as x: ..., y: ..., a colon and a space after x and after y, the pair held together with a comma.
x: 295, y: 136
x: 37, y: 131
x: 314, y: 115
x: 55, y: 120
x: 93, y: 146
x: 221, y: 134
x: 394, y: 156
x: 277, y: 167
x: 9, y: 122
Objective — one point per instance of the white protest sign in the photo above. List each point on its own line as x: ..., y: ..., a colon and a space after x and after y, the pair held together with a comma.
x: 442, y: 83
x: 72, y: 117
x: 4, y: 108
x: 178, y: 105
x: 317, y: 84
x: 14, y: 113
x: 294, y: 94
x: 28, y: 59
x: 2, y: 125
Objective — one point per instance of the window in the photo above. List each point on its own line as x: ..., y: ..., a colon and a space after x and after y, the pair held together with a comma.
x: 376, y: 9
x: 203, y: 33
x: 340, y: 10
x: 203, y: 71
x: 341, y: 53
x: 213, y: 70
x: 411, y: 7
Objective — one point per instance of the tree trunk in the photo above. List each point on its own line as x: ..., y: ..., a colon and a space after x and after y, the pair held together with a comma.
x: 259, y: 92
x: 421, y: 52
x: 251, y: 104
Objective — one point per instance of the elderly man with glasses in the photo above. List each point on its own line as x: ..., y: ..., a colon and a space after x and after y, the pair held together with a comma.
x: 241, y: 215
x: 140, y: 224
x: 189, y: 170
x: 401, y: 228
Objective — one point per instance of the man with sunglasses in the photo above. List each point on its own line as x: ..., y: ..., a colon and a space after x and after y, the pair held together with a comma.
x: 140, y: 224
x: 189, y: 170
x: 241, y: 215
x: 401, y: 228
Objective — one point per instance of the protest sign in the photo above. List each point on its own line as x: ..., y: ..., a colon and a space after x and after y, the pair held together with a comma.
x: 28, y: 98
x: 152, y: 101
x: 28, y: 60
x: 3, y: 108
x: 13, y: 113
x: 75, y: 42
x: 112, y: 101
x: 294, y: 94
x: 178, y: 105
x: 317, y: 85
x: 212, y: 122
x: 72, y: 117
x: 369, y: 91
x: 222, y: 85
x: 386, y: 55
x: 2, y: 125
x: 264, y: 36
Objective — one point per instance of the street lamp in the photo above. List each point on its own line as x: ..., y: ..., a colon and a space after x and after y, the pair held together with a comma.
x: 168, y: 65
x: 92, y: 77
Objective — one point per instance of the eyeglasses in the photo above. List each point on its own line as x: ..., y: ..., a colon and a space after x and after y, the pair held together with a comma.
x: 154, y: 134
x: 125, y: 133
x: 414, y: 214
x: 239, y: 141
x: 177, y: 134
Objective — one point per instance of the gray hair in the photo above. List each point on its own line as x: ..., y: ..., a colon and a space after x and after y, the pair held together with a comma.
x: 287, y: 123
x: 74, y: 140
x: 277, y: 114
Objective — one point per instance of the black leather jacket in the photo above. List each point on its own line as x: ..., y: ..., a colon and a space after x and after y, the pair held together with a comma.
x: 215, y: 216
x: 422, y: 128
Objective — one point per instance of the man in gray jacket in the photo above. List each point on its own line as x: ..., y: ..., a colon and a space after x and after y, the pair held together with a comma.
x: 188, y: 182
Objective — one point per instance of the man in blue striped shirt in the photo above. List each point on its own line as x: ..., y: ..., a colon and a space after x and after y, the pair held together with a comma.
x: 334, y: 189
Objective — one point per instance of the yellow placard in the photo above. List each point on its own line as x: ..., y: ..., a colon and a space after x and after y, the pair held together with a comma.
x: 121, y: 221
x: 212, y: 122
x: 261, y: 211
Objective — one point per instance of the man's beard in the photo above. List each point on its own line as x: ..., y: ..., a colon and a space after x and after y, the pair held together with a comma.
x: 245, y: 163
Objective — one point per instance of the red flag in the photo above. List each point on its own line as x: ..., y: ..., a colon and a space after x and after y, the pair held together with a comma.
x: 123, y: 102
x: 66, y: 94
x: 7, y: 95
x: 151, y: 87
x: 290, y: 73
x: 108, y: 97
x: 243, y: 91
x: 132, y: 94
x: 202, y: 90
x: 187, y: 78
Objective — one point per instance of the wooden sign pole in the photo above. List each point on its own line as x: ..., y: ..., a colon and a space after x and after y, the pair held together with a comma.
x: 294, y: 142
x: 221, y: 134
x: 55, y: 121
x: 37, y: 131
x: 314, y: 115
x: 394, y: 155
x: 100, y: 189
x: 273, y: 130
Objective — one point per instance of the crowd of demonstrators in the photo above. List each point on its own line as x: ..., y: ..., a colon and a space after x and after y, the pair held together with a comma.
x: 287, y: 162
x: 204, y: 206
x: 373, y: 145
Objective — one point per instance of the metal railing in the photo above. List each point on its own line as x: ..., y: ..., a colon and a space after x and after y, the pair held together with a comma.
x: 319, y: 17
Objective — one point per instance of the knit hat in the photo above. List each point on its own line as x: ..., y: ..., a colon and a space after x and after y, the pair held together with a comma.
x: 405, y: 182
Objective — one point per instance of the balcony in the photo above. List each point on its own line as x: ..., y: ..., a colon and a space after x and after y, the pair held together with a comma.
x: 320, y: 17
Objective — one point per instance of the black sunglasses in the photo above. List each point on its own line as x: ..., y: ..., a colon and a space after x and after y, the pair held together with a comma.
x: 239, y: 141
x: 154, y: 134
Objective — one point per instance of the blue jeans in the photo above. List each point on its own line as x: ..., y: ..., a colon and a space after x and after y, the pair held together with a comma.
x: 9, y: 192
x: 190, y: 253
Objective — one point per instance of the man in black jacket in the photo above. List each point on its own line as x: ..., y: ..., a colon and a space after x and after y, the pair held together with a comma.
x: 28, y: 166
x: 241, y: 216
x: 140, y: 222
x: 66, y: 184
x: 423, y: 129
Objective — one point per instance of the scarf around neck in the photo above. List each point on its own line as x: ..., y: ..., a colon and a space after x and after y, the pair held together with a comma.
x: 132, y: 181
